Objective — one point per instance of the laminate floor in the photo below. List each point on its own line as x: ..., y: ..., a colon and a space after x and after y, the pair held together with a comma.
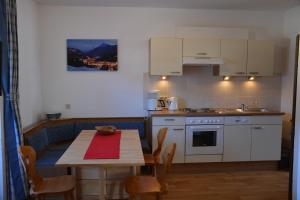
x: 245, y: 185
x: 261, y: 185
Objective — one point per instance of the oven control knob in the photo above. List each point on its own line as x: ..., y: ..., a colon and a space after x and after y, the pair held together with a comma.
x: 205, y: 121
x: 192, y: 121
x: 200, y: 121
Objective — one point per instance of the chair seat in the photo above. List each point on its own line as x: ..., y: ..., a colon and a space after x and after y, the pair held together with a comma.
x: 142, y: 184
x: 149, y: 159
x: 55, y: 185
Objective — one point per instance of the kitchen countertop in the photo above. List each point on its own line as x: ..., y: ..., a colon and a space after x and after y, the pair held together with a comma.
x: 224, y: 112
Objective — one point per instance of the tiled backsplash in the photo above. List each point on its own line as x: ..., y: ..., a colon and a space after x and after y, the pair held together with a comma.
x: 199, y: 88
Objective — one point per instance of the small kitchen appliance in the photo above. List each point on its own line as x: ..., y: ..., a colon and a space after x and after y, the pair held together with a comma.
x: 173, y: 103
x: 153, y: 100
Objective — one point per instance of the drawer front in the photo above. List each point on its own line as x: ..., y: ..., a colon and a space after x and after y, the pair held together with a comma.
x: 168, y: 121
x: 236, y: 120
x: 266, y: 120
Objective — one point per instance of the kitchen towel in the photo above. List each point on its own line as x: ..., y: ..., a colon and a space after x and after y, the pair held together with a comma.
x: 104, y: 147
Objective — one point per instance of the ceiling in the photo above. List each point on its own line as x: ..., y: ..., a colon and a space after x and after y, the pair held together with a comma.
x: 190, y: 4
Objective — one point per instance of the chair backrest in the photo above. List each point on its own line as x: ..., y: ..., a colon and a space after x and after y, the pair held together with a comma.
x: 170, y: 152
x: 160, y: 141
x: 28, y: 155
x: 169, y: 157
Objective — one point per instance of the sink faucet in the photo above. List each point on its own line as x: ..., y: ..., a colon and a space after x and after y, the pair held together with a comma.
x: 243, y: 107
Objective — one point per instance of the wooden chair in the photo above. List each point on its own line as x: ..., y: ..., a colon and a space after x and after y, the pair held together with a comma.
x: 136, y: 185
x: 41, y: 187
x: 153, y: 160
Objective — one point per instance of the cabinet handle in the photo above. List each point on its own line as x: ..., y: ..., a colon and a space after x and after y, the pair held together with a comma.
x: 258, y: 127
x: 239, y: 72
x: 170, y: 120
x: 178, y: 129
x: 202, y: 54
x: 254, y: 73
x: 201, y: 57
x: 175, y: 72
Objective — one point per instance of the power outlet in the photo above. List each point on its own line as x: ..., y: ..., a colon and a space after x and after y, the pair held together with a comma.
x: 68, y: 106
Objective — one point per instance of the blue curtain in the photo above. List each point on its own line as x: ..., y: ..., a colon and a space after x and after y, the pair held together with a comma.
x: 8, y: 35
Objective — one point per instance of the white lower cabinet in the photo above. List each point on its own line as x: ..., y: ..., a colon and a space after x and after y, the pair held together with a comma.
x: 256, y: 138
x: 237, y: 143
x: 266, y: 142
x: 176, y: 134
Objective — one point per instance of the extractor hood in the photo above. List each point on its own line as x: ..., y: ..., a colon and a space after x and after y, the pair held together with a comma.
x: 202, y: 61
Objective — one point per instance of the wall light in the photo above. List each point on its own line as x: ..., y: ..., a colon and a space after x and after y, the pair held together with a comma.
x: 226, y: 78
x: 251, y: 78
x: 163, y: 77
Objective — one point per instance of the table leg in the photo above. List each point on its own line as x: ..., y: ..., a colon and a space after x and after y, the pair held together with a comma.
x: 77, y: 191
x: 102, y: 183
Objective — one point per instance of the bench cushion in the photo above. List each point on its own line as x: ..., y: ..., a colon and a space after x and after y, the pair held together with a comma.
x: 60, y: 146
x: 39, y: 140
x: 60, y: 133
x: 49, y: 158
x: 120, y: 125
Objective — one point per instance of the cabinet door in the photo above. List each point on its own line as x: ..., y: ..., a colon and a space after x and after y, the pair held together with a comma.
x: 208, y: 48
x: 176, y: 134
x: 237, y: 143
x: 166, y: 56
x: 234, y: 53
x: 260, y: 58
x: 266, y: 142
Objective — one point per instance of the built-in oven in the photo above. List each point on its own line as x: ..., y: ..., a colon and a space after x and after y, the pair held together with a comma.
x: 204, y: 135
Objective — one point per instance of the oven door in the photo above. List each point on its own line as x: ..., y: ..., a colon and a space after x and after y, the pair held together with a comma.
x: 204, y: 139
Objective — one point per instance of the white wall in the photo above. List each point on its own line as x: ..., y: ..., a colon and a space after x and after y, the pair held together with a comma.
x: 29, y: 62
x: 99, y: 94
x: 291, y: 29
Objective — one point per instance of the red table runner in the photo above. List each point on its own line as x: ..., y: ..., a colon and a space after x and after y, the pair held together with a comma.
x: 104, y: 147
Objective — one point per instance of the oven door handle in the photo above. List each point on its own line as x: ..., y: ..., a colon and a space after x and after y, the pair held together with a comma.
x: 207, y: 127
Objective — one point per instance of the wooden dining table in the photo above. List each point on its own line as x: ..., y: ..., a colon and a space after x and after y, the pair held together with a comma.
x: 131, y: 155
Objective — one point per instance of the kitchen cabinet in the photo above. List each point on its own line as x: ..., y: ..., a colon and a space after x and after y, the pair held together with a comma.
x: 266, y: 142
x: 204, y: 48
x: 234, y: 54
x: 166, y: 56
x: 255, y: 138
x: 237, y: 143
x: 260, y: 58
x: 175, y: 134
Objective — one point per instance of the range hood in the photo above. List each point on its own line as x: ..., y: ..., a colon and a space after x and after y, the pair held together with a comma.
x: 202, y: 61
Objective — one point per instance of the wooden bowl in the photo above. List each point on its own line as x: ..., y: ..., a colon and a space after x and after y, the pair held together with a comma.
x: 106, y: 130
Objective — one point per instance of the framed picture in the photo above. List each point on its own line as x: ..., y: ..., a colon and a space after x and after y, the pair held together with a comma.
x: 92, y: 55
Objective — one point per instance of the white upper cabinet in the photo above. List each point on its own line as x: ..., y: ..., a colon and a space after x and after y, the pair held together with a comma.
x: 260, y: 58
x: 166, y: 56
x: 205, y: 48
x: 234, y: 54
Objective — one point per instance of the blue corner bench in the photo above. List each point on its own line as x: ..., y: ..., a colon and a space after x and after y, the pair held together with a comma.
x: 51, y: 138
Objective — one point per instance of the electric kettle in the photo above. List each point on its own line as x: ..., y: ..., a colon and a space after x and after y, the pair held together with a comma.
x: 173, y: 103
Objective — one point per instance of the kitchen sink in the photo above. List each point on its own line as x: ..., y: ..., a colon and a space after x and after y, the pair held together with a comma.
x: 252, y: 110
